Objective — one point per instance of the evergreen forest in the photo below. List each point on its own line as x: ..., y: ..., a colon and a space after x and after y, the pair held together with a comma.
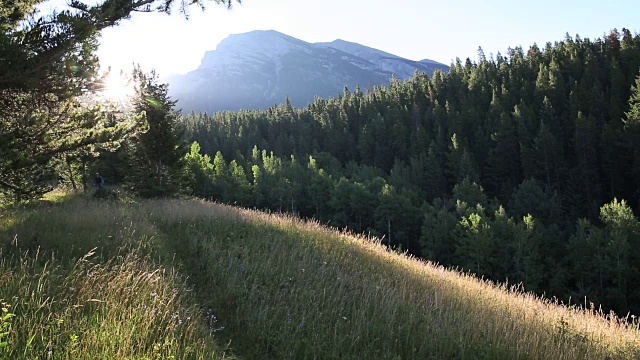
x: 523, y: 167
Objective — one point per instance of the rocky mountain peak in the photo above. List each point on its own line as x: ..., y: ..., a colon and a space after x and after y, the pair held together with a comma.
x: 268, y: 44
x: 260, y: 68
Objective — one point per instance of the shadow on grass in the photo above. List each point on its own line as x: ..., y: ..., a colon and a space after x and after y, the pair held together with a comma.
x: 284, y: 289
x: 278, y: 288
x: 86, y: 280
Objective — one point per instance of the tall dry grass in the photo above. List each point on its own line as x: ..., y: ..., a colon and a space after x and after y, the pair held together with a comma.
x: 267, y: 286
x: 84, y: 282
x: 298, y: 289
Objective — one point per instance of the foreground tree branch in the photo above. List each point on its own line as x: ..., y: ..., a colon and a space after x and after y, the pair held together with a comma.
x: 46, y: 65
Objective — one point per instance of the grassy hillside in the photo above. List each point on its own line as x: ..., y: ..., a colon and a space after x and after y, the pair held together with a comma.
x: 193, y: 280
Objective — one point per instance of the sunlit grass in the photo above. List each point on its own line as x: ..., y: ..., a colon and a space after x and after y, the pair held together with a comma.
x: 344, y: 296
x: 114, y: 302
x: 56, y: 196
x: 266, y: 285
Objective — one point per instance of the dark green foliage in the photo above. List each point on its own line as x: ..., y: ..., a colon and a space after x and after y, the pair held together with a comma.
x: 586, y: 261
x: 503, y: 170
x: 604, y: 260
x: 155, y: 166
x: 340, y: 203
x: 437, y: 241
x: 48, y: 69
x: 622, y: 254
x: 320, y: 189
x: 550, y: 134
x: 396, y: 213
x: 583, y: 190
x: 470, y: 193
x: 525, y: 244
x: 475, y: 244
x: 548, y: 164
x: 529, y: 198
x: 632, y: 137
x: 467, y: 168
x: 432, y: 179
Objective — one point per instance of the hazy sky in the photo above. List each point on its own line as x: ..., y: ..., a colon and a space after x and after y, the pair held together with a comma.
x: 415, y: 29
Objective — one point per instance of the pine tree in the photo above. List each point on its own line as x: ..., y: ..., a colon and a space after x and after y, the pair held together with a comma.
x: 475, y: 244
x: 548, y: 154
x: 584, y: 183
x: 221, y: 178
x: 242, y: 189
x: 395, y: 216
x: 623, y: 230
x: 363, y: 204
x: 199, y: 172
x: 340, y: 203
x: 467, y: 168
x: 320, y: 190
x: 503, y: 166
x: 257, y: 190
x: 586, y: 261
x: 470, y: 192
x: 632, y: 136
x: 156, y: 156
x: 46, y: 64
x: 433, y: 178
x: 527, y: 265
x: 298, y: 182
x: 530, y: 199
x: 437, y: 241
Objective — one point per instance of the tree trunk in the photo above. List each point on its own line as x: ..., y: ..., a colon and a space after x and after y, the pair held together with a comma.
x: 70, y: 170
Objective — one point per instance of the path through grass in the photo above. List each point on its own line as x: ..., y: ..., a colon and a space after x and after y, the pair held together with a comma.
x: 190, y: 279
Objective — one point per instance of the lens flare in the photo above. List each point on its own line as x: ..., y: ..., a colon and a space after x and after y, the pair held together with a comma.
x: 117, y: 87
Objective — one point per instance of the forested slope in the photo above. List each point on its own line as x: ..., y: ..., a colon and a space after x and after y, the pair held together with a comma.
x: 523, y: 166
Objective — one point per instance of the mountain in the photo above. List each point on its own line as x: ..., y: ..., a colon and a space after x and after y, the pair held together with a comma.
x: 401, y: 67
x: 258, y: 69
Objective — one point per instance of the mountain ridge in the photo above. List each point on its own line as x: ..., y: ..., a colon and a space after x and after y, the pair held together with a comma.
x: 258, y: 69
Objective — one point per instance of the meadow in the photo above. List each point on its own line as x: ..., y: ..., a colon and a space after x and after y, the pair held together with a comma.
x: 188, y: 279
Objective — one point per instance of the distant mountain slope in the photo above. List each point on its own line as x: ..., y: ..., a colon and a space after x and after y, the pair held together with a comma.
x: 401, y: 67
x: 258, y: 69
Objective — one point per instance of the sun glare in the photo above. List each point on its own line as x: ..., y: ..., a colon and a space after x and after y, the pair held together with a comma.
x: 117, y: 87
